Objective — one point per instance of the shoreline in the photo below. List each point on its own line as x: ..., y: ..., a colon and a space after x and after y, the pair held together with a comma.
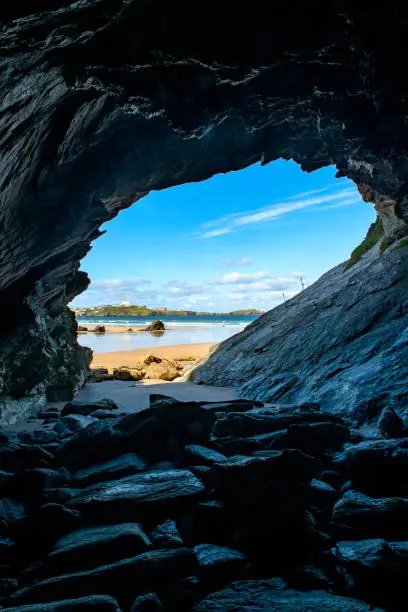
x: 128, y: 359
x: 123, y: 329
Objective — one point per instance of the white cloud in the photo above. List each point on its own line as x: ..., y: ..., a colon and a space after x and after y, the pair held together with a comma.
x: 237, y: 278
x: 179, y: 288
x: 231, y: 223
x: 235, y: 261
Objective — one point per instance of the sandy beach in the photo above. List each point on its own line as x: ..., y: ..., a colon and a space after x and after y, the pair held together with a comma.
x: 178, y: 352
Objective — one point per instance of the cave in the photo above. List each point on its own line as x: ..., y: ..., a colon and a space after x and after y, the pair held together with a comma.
x: 106, y: 100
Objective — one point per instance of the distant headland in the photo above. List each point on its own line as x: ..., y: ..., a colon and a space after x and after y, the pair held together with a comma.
x: 127, y: 310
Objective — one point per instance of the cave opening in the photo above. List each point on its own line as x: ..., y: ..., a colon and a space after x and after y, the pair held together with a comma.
x: 241, y: 241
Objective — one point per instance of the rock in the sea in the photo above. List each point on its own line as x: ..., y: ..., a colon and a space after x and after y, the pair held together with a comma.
x: 166, y: 535
x: 93, y: 603
x: 124, y: 465
x: 269, y: 595
x: 95, y: 546
x: 147, y: 603
x: 373, y: 518
x: 123, y: 579
x: 86, y: 408
x: 152, y: 494
x: 156, y: 325
x: 389, y: 424
x: 195, y: 454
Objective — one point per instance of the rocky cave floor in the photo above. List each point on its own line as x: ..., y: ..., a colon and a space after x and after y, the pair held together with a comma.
x: 204, y: 507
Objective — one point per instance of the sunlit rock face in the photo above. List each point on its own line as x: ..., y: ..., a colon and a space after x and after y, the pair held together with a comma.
x: 102, y: 101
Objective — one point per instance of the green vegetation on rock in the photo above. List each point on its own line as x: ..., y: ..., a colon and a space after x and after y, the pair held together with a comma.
x: 402, y: 244
x: 144, y: 311
x: 374, y: 234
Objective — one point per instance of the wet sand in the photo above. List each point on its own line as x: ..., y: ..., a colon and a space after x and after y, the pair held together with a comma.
x: 178, y: 352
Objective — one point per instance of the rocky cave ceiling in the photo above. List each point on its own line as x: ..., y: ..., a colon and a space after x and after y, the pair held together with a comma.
x: 105, y: 100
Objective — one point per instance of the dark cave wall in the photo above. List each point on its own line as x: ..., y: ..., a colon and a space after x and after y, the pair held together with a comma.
x: 103, y: 101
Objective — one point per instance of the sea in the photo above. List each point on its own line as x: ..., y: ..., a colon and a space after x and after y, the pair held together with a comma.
x: 180, y: 330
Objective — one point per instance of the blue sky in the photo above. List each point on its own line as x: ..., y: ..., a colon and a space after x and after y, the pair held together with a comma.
x: 237, y: 240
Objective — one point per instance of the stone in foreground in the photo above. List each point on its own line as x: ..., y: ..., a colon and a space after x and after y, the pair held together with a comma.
x: 269, y: 596
x: 94, y: 603
x: 157, y: 493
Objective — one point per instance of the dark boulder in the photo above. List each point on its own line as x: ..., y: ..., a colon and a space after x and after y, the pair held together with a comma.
x: 156, y: 325
x: 28, y: 485
x: 252, y: 480
x: 220, y: 563
x: 38, y: 531
x: 71, y: 423
x: 374, y: 570
x: 389, y: 424
x: 99, y: 329
x: 238, y: 405
x: 18, y: 457
x: 124, y: 465
x: 86, y: 408
x: 195, y: 454
x: 123, y: 580
x: 269, y: 595
x: 374, y: 518
x: 94, y: 546
x: 264, y: 420
x: 8, y: 551
x: 147, y: 603
x: 376, y: 467
x: 38, y: 436
x: 166, y: 535
x: 152, y: 495
x: 94, y: 603
x: 96, y: 443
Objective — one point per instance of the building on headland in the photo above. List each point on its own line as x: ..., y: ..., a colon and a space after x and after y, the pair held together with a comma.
x: 161, y: 309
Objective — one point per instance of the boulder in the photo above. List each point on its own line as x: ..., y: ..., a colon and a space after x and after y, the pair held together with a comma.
x: 376, y: 467
x: 86, y: 408
x: 374, y: 518
x: 195, y: 454
x: 82, y: 328
x: 389, y: 424
x: 269, y: 595
x: 38, y: 531
x: 67, y: 425
x: 264, y: 420
x: 220, y: 562
x: 97, y: 443
x: 162, y: 371
x: 29, y: 485
x: 156, y: 325
x: 124, y: 465
x: 374, y: 570
x: 125, y: 373
x: 94, y: 603
x: 99, y: 375
x: 149, y: 359
x: 15, y: 457
x: 239, y: 405
x: 166, y: 535
x: 147, y: 603
x: 38, y: 436
x: 123, y: 579
x: 99, y: 329
x: 151, y: 495
x: 250, y: 481
x: 94, y: 546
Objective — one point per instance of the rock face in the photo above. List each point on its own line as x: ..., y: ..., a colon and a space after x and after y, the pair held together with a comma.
x: 104, y: 101
x: 340, y: 342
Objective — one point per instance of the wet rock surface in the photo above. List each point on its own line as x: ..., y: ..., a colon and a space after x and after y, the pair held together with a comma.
x: 190, y: 529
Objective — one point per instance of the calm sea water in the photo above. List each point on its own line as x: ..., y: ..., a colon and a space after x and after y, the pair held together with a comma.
x: 180, y: 330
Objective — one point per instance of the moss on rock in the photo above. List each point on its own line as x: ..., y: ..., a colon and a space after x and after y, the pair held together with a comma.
x: 374, y: 234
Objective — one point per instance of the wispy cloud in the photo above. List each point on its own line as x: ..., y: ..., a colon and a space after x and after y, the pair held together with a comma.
x: 261, y: 281
x: 231, y: 223
x: 235, y: 261
x: 179, y: 288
